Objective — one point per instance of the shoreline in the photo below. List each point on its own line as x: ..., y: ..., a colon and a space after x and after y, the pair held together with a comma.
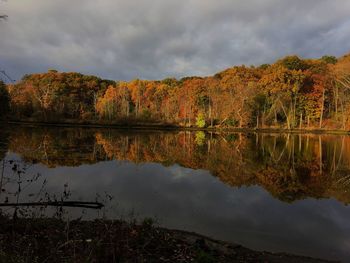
x: 103, y: 240
x: 170, y: 127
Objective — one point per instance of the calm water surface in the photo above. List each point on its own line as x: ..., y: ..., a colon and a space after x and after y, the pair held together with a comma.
x: 275, y: 192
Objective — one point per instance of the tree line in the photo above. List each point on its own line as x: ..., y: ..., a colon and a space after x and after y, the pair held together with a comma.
x: 291, y: 93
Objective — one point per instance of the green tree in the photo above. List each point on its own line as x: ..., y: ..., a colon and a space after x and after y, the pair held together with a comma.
x: 329, y: 59
x: 200, y: 120
x: 293, y: 63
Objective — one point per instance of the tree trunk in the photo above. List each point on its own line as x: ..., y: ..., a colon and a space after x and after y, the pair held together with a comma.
x: 336, y: 102
x: 294, y: 111
x: 240, y: 118
x: 343, y: 114
x: 210, y: 114
x: 275, y: 116
x: 322, y: 108
x: 287, y: 117
x: 127, y: 108
x: 263, y: 118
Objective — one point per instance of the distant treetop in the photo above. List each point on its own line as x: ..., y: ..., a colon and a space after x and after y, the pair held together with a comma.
x: 293, y: 63
x: 329, y: 59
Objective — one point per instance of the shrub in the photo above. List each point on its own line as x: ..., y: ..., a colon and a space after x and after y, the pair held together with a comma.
x: 146, y: 114
x: 231, y: 122
x: 200, y: 120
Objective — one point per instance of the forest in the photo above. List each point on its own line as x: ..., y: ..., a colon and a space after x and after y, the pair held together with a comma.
x: 292, y: 93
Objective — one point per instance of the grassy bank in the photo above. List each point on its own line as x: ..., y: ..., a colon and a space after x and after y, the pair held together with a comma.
x: 168, y: 126
x: 55, y: 240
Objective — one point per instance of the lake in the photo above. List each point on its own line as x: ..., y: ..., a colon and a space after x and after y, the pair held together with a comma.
x: 275, y: 192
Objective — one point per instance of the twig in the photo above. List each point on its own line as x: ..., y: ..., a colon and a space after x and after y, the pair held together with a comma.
x: 92, y: 205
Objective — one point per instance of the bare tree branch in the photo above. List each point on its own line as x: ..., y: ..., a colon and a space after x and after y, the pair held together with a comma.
x: 7, y: 76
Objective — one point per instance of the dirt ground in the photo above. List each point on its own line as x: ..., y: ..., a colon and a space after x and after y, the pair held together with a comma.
x: 55, y: 240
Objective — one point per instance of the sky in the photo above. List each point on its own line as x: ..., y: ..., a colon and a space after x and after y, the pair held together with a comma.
x: 155, y: 39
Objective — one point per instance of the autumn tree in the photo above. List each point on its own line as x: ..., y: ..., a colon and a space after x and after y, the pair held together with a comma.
x: 238, y: 84
x: 213, y: 91
x: 125, y: 97
x: 189, y: 95
x: 341, y: 75
x: 282, y: 85
x: 137, y: 88
x: 21, y: 101
x: 171, y: 100
x: 55, y: 95
x: 115, y: 102
x: 317, y: 91
x: 107, y: 106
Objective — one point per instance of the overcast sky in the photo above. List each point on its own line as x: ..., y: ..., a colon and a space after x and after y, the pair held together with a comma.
x: 154, y: 39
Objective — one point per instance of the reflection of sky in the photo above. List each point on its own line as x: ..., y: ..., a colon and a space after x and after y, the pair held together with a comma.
x: 194, y: 200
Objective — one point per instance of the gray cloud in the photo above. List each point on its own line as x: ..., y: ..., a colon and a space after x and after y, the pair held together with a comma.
x: 121, y: 39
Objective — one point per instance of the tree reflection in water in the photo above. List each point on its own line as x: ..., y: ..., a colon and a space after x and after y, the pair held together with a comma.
x: 289, y: 166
